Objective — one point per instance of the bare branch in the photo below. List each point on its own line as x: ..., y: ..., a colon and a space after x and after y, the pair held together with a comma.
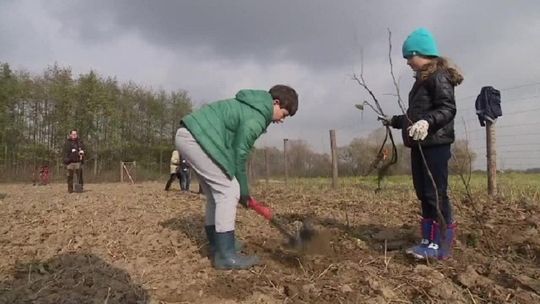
x: 379, y: 111
x: 362, y: 82
x: 400, y: 101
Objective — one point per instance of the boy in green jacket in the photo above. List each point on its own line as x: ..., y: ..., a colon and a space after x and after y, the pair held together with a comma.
x: 216, y: 140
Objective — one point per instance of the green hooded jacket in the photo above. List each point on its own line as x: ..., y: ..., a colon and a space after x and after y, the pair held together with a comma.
x: 226, y: 130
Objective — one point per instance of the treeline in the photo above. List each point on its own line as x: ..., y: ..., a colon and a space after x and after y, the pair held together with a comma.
x: 117, y: 121
x: 128, y: 122
x: 355, y: 159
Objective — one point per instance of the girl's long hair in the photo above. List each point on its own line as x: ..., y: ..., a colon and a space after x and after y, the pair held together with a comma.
x: 441, y: 63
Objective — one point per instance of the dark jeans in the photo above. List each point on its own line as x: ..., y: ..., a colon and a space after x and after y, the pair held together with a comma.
x: 437, y: 158
x: 185, y: 180
x: 171, y: 179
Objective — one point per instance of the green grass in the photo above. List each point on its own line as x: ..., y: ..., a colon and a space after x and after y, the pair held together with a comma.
x: 511, y: 186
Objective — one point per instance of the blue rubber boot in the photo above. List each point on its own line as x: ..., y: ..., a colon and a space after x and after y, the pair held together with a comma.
x: 439, y: 247
x: 225, y: 255
x: 446, y: 244
x: 426, y: 227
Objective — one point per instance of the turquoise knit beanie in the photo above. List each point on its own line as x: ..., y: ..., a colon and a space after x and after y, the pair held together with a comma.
x: 420, y: 42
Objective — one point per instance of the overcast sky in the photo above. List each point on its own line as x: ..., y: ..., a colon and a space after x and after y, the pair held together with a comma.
x: 212, y: 49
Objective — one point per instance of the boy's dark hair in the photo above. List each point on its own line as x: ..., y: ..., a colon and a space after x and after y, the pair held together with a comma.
x: 287, y: 96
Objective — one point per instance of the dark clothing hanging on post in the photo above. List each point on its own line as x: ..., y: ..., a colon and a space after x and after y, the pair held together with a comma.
x: 488, y: 105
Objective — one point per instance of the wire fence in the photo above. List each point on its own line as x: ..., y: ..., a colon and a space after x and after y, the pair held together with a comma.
x: 517, y: 140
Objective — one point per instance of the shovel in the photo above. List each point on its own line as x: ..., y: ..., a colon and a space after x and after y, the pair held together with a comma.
x: 296, y: 240
x: 78, y: 187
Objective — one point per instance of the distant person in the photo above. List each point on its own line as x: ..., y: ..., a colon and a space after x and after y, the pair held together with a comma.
x: 216, y: 141
x: 44, y: 175
x: 185, y: 175
x: 74, y: 151
x: 174, y: 170
x: 428, y: 129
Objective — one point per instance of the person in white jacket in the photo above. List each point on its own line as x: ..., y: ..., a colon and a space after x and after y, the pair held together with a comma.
x: 175, y: 170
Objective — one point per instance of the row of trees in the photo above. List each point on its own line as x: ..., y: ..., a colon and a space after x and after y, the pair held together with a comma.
x: 125, y: 121
x: 117, y: 121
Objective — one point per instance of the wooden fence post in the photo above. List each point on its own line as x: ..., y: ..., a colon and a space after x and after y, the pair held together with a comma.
x: 491, y: 155
x: 334, y: 158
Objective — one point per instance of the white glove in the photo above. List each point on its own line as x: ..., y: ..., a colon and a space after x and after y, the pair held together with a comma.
x: 419, y: 130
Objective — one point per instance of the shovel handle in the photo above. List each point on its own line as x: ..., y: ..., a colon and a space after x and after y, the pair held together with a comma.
x: 265, y: 211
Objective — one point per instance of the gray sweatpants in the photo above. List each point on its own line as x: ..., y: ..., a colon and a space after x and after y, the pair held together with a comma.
x: 222, y: 194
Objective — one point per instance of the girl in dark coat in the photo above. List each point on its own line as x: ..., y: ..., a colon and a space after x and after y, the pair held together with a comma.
x: 428, y: 129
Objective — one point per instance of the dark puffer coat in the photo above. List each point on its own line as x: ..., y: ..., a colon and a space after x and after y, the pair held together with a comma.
x: 71, y: 151
x: 433, y: 100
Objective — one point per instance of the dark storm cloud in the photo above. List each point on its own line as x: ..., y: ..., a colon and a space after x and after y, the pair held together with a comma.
x: 313, y: 33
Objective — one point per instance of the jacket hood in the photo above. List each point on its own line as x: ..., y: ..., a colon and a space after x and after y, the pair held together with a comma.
x: 259, y: 100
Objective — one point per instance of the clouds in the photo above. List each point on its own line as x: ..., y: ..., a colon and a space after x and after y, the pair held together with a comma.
x: 316, y: 33
x: 230, y: 30
x: 214, y: 48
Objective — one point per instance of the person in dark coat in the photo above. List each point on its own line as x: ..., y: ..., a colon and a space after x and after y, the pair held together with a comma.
x: 185, y: 175
x: 428, y: 129
x: 74, y: 151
